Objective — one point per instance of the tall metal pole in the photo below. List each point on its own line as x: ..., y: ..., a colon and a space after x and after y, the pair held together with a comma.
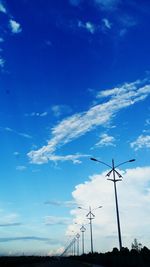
x: 83, y: 229
x: 117, y: 209
x: 91, y: 216
x: 77, y: 236
x: 114, y: 180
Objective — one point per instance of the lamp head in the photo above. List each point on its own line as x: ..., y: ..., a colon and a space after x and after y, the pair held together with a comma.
x: 131, y: 160
x: 93, y: 159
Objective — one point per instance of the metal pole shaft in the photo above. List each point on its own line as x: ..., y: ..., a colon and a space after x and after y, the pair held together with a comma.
x: 91, y: 230
x: 117, y: 209
x: 82, y: 242
x: 77, y: 246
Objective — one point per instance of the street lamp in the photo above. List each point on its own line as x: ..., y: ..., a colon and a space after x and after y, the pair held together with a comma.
x: 114, y: 180
x: 77, y: 236
x: 90, y: 216
x: 82, y: 229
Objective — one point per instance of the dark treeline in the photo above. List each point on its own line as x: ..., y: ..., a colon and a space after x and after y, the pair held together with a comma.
x: 116, y: 258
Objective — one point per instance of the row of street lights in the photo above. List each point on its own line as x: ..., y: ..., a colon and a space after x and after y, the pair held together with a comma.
x: 90, y: 214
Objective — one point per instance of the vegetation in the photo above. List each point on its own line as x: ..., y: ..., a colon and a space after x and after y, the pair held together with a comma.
x: 123, y: 258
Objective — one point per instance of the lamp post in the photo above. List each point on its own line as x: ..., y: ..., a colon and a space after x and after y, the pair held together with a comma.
x: 77, y: 236
x: 82, y: 229
x: 90, y: 216
x: 114, y: 180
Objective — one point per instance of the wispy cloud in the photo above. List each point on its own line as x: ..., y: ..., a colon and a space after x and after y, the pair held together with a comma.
x: 15, y: 26
x: 21, y: 168
x: 2, y: 8
x: 25, y: 238
x: 2, y: 62
x: 7, y: 129
x: 7, y: 220
x: 101, y: 114
x: 105, y: 140
x: 88, y: 26
x: 36, y: 114
x: 10, y: 224
x: 58, y: 203
x: 107, y: 4
x: 53, y: 220
x: 106, y: 23
x: 59, y: 110
x: 143, y: 141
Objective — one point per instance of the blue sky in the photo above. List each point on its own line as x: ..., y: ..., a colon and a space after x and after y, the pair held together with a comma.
x: 74, y: 83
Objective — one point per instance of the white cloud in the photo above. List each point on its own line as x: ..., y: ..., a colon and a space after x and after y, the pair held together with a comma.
x: 2, y: 8
x: 89, y: 26
x: 107, y: 23
x: 134, y: 207
x: 141, y: 142
x: 21, y: 168
x: 101, y: 114
x: 51, y: 157
x: 106, y: 140
x: 15, y: 26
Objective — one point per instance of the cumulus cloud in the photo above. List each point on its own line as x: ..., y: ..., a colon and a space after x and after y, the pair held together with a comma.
x: 134, y: 207
x: 143, y: 141
x: 79, y: 124
x: 14, y: 26
x: 105, y: 140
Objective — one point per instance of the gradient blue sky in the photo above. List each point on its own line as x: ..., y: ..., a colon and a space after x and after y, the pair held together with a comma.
x: 74, y: 83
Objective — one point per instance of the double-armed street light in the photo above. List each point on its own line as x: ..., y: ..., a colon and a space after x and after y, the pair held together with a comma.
x: 114, y: 180
x: 90, y: 216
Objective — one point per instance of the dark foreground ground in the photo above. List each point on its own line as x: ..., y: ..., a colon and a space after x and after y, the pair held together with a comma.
x: 42, y: 262
x: 123, y: 258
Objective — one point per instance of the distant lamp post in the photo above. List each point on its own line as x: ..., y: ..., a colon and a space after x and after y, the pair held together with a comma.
x: 77, y: 236
x: 82, y: 229
x: 114, y: 180
x: 90, y: 216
